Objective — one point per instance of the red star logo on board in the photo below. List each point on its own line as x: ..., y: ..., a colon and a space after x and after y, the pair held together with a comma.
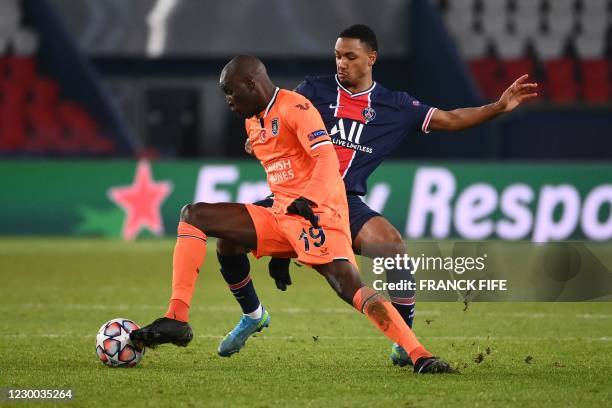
x: 141, y: 201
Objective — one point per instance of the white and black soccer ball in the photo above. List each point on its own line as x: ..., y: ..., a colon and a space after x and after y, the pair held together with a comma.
x: 113, y: 345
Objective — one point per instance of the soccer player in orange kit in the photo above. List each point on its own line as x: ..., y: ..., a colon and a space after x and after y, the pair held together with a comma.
x: 366, y: 121
x: 309, y: 219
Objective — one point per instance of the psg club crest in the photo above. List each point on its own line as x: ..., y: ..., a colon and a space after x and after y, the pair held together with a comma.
x: 275, y: 127
x: 369, y: 114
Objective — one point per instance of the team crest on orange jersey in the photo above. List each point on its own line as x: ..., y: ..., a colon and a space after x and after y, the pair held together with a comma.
x: 275, y: 127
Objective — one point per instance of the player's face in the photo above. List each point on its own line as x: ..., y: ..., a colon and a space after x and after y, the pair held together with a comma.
x: 354, y: 61
x: 239, y: 95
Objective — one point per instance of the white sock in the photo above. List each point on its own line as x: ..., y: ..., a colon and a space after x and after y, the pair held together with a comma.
x: 257, y: 313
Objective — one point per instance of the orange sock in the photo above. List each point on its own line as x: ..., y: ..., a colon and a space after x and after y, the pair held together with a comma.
x: 382, y: 313
x: 189, y: 254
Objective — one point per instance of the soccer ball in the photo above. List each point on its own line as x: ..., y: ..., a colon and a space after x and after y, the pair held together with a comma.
x: 113, y: 345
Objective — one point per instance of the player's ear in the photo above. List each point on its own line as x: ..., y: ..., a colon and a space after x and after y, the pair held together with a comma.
x: 250, y: 83
x: 372, y: 58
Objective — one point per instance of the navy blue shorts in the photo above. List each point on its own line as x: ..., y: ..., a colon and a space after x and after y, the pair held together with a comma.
x: 359, y: 212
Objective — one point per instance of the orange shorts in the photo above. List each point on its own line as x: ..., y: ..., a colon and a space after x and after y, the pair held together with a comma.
x: 291, y: 236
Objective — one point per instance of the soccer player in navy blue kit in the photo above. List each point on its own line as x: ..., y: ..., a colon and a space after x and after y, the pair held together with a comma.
x: 366, y: 121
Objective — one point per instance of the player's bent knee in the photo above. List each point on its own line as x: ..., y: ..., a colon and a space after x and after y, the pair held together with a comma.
x: 392, y: 248
x: 343, y: 278
x: 196, y: 214
x: 185, y: 211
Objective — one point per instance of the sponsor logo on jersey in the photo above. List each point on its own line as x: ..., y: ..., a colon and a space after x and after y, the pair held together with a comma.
x: 279, y: 171
x: 275, y: 127
x: 369, y: 114
x: 303, y: 106
x: 262, y: 135
x: 349, y: 137
x: 317, y: 133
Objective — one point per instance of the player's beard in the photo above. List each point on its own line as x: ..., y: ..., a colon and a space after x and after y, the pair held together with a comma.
x: 345, y: 82
x: 342, y: 80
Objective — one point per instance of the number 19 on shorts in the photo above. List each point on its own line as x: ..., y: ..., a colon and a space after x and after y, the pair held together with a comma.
x: 317, y: 235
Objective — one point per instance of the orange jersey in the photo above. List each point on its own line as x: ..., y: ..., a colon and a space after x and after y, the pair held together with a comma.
x: 290, y: 141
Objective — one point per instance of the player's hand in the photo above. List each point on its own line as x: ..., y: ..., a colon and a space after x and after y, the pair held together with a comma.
x: 247, y: 147
x: 279, y: 271
x: 302, y: 207
x: 517, y: 93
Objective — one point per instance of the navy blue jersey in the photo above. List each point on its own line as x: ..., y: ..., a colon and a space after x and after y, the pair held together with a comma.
x: 365, y: 127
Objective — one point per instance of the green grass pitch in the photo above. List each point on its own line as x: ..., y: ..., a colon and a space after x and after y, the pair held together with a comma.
x: 317, y: 352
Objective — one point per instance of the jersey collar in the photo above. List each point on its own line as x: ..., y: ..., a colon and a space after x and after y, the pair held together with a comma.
x: 352, y: 95
x: 265, y: 113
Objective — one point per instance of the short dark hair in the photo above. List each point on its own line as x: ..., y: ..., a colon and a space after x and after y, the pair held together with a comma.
x: 361, y: 32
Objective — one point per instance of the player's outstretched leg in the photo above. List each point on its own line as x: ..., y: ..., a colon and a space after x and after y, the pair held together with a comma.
x: 378, y: 238
x: 235, y: 269
x: 345, y: 280
x: 223, y: 220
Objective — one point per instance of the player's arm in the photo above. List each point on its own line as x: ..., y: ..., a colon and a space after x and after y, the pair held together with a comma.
x: 313, y: 137
x: 463, y: 118
x: 320, y: 183
x: 318, y: 145
x: 326, y: 163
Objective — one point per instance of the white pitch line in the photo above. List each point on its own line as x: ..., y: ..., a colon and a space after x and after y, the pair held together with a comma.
x: 308, y: 337
x: 235, y: 309
x: 594, y: 316
x: 294, y: 310
x: 230, y: 309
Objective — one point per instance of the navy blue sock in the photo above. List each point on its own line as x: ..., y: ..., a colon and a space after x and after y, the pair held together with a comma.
x: 406, y: 311
x: 402, y: 300
x: 235, y: 270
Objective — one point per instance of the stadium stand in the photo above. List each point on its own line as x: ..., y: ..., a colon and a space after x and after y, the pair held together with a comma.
x: 565, y: 44
x: 34, y: 116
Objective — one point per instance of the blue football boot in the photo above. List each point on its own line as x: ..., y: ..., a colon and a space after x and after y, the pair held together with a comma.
x: 234, y: 340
